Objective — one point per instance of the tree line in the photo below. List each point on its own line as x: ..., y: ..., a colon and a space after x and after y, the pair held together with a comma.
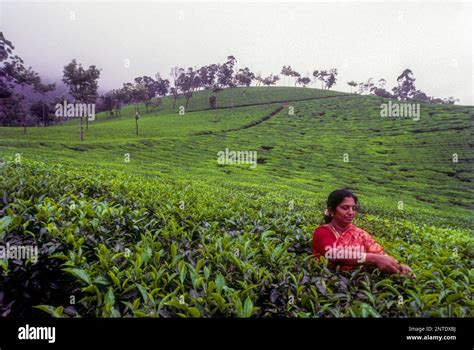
x: 148, y: 91
x: 405, y: 89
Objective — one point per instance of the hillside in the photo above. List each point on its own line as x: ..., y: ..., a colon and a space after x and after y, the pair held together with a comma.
x: 152, y: 225
x: 413, y: 160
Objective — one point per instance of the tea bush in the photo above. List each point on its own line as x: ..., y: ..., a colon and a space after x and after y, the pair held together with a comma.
x: 118, y: 245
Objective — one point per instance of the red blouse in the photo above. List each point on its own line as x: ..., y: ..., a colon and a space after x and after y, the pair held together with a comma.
x: 322, y: 237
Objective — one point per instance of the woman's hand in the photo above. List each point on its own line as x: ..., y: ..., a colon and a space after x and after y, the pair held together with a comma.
x: 389, y: 264
x: 405, y: 270
x: 385, y: 263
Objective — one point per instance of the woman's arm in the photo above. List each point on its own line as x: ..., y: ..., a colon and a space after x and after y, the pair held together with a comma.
x: 388, y: 264
x: 385, y: 263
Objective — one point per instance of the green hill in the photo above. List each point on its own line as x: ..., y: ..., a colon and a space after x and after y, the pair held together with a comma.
x: 206, y: 239
x: 411, y: 160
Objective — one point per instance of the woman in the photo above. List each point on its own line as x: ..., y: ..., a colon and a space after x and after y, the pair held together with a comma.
x: 346, y: 245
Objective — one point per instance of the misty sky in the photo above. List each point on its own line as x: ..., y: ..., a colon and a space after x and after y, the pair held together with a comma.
x: 361, y: 40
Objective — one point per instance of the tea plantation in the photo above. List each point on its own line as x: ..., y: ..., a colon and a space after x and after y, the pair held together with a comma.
x: 152, y: 226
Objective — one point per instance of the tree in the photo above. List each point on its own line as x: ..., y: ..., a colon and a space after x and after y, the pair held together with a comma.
x: 244, y: 77
x: 160, y: 88
x: 270, y: 80
x: 290, y: 72
x: 10, y: 105
x: 381, y: 92
x: 225, y: 76
x: 109, y: 102
x: 120, y: 98
x: 406, y: 86
x: 175, y: 74
x: 226, y: 72
x: 208, y: 75
x: 174, y: 92
x: 147, y: 88
x: 137, y: 116
x: 6, y: 50
x: 304, y: 81
x: 44, y: 89
x: 352, y: 84
x: 10, y: 109
x: 295, y: 75
x: 421, y: 96
x: 367, y: 87
x: 331, y: 78
x: 188, y: 82
x: 286, y: 71
x: 26, y: 77
x: 162, y: 85
x: 321, y: 76
x: 16, y: 72
x: 135, y: 94
x: 41, y: 111
x: 83, y: 85
x: 212, y: 102
x: 450, y: 100
x: 316, y: 75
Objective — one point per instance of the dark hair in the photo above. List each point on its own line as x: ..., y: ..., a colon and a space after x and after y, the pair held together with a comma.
x: 335, y: 198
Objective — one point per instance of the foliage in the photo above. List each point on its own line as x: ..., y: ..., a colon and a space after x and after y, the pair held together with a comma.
x: 127, y: 246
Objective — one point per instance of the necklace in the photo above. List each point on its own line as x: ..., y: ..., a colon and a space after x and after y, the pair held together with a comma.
x: 336, y: 232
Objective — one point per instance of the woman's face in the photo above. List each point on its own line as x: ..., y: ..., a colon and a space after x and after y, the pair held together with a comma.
x: 345, y: 212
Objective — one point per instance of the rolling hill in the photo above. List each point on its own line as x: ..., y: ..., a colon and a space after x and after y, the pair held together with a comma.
x: 153, y: 225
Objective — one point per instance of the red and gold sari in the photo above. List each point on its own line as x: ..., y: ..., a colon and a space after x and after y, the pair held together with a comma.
x: 326, y: 237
